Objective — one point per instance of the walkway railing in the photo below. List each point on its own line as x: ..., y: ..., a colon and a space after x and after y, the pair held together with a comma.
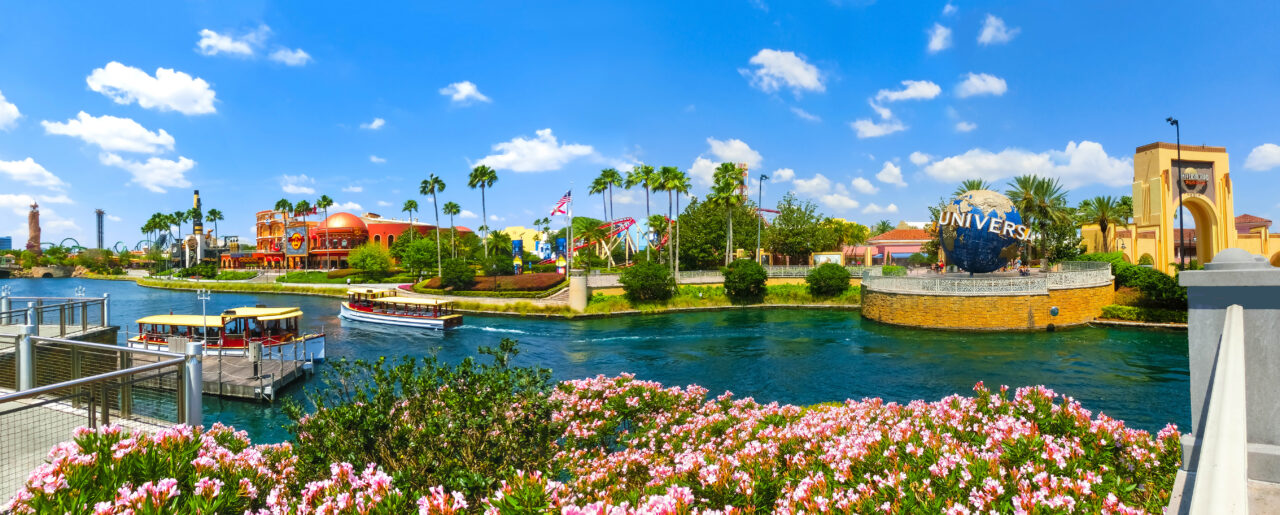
x: 55, y: 316
x: 51, y: 386
x: 1068, y: 275
x: 1222, y: 472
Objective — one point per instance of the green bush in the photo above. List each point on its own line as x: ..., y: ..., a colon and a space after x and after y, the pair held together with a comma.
x: 235, y: 275
x: 466, y: 427
x: 370, y: 257
x: 1146, y: 259
x: 542, y: 269
x: 744, y: 281
x: 342, y: 273
x: 498, y: 265
x: 1158, y: 289
x: 1141, y: 314
x: 457, y: 274
x: 828, y: 280
x: 647, y: 281
x: 894, y: 271
x: 204, y: 270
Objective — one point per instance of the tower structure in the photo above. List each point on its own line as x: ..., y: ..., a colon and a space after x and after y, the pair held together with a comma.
x: 197, y: 228
x: 99, y: 213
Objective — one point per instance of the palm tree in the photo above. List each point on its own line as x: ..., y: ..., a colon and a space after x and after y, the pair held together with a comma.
x: 284, y: 206
x: 410, y: 206
x: 881, y: 227
x: 303, y: 206
x: 678, y: 183
x: 668, y: 176
x: 970, y: 185
x: 178, y: 218
x: 483, y: 177
x: 214, y: 216
x: 724, y: 192
x: 600, y: 186
x: 1104, y: 211
x: 612, y: 178
x: 1042, y: 204
x: 452, y: 208
x: 324, y: 202
x: 643, y: 176
x: 431, y: 186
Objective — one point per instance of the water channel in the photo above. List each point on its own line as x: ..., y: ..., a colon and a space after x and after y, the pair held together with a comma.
x: 790, y: 356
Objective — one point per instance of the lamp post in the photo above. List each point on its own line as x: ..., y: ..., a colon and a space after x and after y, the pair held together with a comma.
x: 1182, y: 235
x: 203, y: 295
x: 760, y: 214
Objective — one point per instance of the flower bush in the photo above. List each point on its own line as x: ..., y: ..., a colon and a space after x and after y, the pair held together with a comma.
x: 627, y: 446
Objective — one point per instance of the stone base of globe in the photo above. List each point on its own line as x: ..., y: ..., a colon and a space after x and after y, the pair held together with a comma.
x: 985, y: 302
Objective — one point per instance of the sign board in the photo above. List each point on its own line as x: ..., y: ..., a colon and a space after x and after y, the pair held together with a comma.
x: 1197, y: 178
x: 517, y: 253
x: 295, y: 241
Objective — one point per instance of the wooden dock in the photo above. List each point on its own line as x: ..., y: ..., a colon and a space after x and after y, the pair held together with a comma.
x: 235, y: 376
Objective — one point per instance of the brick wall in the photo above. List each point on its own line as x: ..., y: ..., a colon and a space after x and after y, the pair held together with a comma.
x: 991, y: 313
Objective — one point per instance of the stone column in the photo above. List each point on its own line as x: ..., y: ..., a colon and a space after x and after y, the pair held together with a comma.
x: 1237, y: 277
x: 578, y: 292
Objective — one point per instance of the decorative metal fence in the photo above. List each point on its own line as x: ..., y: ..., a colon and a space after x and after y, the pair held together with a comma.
x: 1068, y: 275
x: 55, y: 316
x: 51, y: 386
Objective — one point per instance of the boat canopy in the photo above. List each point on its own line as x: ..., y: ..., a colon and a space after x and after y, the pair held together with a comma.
x: 182, y: 320
x: 263, y: 313
x: 413, y: 301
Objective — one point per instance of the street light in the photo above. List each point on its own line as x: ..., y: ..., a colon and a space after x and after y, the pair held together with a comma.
x: 1182, y: 235
x: 203, y: 295
x: 760, y: 214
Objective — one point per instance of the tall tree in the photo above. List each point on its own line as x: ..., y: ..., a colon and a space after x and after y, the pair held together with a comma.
x: 881, y: 227
x: 679, y: 184
x: 795, y: 232
x: 483, y: 177
x: 1104, y: 211
x: 214, y: 216
x: 600, y: 187
x: 452, y: 208
x: 410, y: 206
x: 972, y: 184
x: 668, y: 179
x: 1042, y: 204
x: 643, y: 176
x: 433, y: 185
x: 324, y: 203
x: 724, y: 193
x: 611, y: 177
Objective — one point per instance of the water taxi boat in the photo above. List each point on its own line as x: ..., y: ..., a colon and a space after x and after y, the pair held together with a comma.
x: 385, y: 307
x: 235, y: 332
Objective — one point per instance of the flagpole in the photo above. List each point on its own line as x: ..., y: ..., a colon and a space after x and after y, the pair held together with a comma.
x: 569, y: 247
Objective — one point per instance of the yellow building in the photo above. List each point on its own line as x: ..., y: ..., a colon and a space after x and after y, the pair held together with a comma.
x: 529, y: 236
x: 1206, y: 191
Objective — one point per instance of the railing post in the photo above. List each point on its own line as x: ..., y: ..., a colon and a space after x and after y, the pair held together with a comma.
x: 26, y: 361
x: 126, y: 388
x: 106, y: 302
x: 4, y: 308
x: 193, y: 385
x: 84, y: 316
x: 62, y: 320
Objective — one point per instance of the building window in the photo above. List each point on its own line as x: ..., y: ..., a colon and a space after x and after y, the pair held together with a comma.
x: 391, y: 240
x: 377, y: 238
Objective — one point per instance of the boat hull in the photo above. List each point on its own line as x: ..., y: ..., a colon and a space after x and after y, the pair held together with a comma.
x: 441, y: 323
x: 305, y: 348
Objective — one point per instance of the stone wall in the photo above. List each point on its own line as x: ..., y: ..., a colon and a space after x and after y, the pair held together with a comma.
x: 988, y: 312
x: 51, y: 271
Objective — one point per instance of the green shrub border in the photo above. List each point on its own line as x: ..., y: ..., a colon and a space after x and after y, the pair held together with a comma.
x: 1138, y: 314
x: 496, y: 294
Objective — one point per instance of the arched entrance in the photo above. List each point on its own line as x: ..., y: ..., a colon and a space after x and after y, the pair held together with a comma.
x: 1206, y: 226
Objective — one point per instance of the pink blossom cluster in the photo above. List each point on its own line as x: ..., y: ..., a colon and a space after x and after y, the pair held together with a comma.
x: 636, y: 447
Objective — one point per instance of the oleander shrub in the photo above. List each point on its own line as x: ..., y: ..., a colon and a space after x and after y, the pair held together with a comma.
x: 827, y: 280
x: 646, y: 282
x: 457, y: 274
x: 744, y: 281
x: 893, y: 271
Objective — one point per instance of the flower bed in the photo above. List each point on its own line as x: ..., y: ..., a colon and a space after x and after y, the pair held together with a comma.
x: 522, y: 282
x: 630, y: 446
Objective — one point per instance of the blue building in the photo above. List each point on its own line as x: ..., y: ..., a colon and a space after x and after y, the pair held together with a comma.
x: 6, y: 242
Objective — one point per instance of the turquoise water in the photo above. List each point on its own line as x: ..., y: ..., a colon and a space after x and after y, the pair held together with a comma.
x: 789, y: 356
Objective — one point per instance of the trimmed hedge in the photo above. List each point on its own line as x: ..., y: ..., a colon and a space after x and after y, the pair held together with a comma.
x: 502, y: 283
x: 1158, y: 290
x: 647, y: 281
x: 828, y: 279
x: 455, y: 274
x: 344, y: 272
x: 1138, y: 314
x: 744, y: 281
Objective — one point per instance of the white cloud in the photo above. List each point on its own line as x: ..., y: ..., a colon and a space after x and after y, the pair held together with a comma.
x: 155, y: 174
x: 994, y: 31
x: 912, y: 90
x: 838, y: 199
x: 169, y: 90
x: 817, y: 185
x: 782, y: 175
x: 8, y: 114
x: 1263, y: 157
x: 353, y: 189
x: 347, y: 206
x: 949, y: 9
x: 467, y: 214
x: 297, y: 184
x: 383, y: 203
x: 288, y: 57
x: 703, y: 170
x: 726, y: 151
x: 625, y: 197
x: 890, y: 174
x: 61, y: 198
x: 776, y: 69
x: 496, y: 218
x: 112, y: 134
x: 939, y: 38
x: 28, y: 171
x: 981, y: 84
x: 869, y: 129
x: 376, y: 124
x: 876, y: 209
x: 920, y: 158
x: 864, y: 186
x: 377, y: 160
x: 805, y: 115
x: 963, y: 126
x: 543, y: 153
x: 884, y: 112
x: 55, y: 227
x: 213, y: 43
x: 1078, y: 164
x: 114, y: 218
x: 463, y: 93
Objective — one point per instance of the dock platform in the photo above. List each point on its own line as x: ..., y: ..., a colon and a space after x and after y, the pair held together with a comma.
x: 234, y: 376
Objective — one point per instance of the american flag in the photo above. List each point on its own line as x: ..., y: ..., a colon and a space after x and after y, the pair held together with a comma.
x: 562, y: 205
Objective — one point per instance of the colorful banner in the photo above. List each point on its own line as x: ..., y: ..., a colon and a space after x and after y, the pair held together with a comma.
x: 517, y: 255
x: 295, y: 241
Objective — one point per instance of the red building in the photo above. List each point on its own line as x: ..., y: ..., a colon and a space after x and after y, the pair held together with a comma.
x: 285, y: 241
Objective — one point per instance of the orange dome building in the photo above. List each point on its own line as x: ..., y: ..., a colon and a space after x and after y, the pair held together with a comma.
x: 290, y: 241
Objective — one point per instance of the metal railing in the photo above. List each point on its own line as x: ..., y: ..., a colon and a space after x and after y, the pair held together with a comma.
x: 59, y: 385
x: 56, y: 316
x: 803, y: 270
x: 1069, y: 275
x: 1222, y: 472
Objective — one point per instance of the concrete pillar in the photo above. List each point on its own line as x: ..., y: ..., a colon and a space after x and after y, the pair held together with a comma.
x: 578, y: 293
x: 26, y: 357
x: 193, y: 385
x: 1237, y: 277
x: 106, y: 310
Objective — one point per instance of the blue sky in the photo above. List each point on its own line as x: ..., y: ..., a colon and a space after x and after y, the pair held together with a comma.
x: 873, y: 110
